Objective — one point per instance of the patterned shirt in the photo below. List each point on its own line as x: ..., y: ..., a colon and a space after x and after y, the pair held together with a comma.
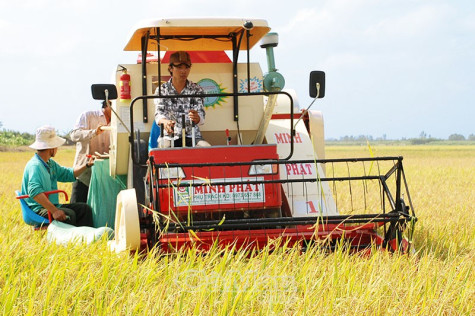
x: 40, y: 176
x: 87, y: 142
x: 173, y: 109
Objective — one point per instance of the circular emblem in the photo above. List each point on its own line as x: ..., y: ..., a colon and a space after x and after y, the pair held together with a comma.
x: 211, y: 87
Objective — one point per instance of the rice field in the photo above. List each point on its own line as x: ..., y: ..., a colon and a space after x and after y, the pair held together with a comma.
x: 37, y: 278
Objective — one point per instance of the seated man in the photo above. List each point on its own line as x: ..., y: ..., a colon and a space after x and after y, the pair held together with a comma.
x: 169, y: 111
x: 42, y: 175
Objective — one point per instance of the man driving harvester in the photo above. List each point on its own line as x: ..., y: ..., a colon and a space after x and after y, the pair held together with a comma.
x: 169, y: 113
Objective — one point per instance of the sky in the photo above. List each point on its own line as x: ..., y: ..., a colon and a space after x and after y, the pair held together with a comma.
x: 394, y: 68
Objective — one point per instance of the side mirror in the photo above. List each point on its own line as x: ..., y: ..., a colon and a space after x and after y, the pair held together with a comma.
x: 99, y: 91
x: 317, y: 84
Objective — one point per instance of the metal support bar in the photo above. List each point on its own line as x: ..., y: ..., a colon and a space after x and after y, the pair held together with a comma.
x: 206, y: 95
x: 144, y: 75
x: 388, y: 193
x: 305, y: 180
x: 278, y: 162
x: 235, y: 78
x: 185, y: 37
x: 159, y: 63
x: 248, y: 34
x: 398, y: 186
x: 276, y: 222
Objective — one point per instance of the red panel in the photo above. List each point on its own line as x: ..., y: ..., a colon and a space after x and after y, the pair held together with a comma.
x: 150, y: 58
x: 210, y: 198
x: 285, y: 116
x: 199, y: 57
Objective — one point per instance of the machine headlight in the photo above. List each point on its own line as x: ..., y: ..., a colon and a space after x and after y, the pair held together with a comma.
x: 172, y: 173
x: 263, y: 169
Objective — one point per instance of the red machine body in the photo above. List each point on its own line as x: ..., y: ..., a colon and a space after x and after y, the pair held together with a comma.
x: 218, y: 181
x: 205, y: 189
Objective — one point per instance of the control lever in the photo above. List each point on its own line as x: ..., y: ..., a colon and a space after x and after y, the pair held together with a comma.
x: 160, y: 143
x: 183, y: 131
x: 193, y: 136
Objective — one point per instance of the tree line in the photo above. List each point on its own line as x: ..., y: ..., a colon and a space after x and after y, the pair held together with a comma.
x: 423, y: 138
x: 15, y: 138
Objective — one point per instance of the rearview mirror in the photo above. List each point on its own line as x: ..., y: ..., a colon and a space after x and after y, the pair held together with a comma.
x: 317, y: 84
x: 99, y: 91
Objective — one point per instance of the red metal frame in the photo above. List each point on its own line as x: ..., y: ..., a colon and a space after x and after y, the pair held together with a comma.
x: 231, y: 162
x: 47, y: 193
x: 360, y: 237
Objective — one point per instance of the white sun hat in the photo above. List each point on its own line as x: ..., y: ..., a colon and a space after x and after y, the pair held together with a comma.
x: 46, y: 138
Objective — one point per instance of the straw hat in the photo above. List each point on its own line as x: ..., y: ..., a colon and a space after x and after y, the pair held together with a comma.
x: 46, y: 138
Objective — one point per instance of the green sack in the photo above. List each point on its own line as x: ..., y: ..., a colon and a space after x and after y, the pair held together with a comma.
x: 102, y: 196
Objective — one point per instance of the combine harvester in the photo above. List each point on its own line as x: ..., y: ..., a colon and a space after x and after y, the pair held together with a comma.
x: 265, y: 175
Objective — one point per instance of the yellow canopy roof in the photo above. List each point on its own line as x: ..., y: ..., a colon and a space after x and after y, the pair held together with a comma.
x: 200, y: 28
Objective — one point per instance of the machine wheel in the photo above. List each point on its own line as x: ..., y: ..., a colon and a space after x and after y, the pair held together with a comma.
x: 127, y: 227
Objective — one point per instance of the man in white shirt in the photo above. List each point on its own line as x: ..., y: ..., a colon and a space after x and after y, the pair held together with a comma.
x: 90, y: 138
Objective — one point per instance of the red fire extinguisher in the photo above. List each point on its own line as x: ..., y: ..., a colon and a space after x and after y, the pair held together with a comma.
x: 124, y: 85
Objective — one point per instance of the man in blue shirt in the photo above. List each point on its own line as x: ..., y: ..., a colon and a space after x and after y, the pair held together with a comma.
x: 42, y: 174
